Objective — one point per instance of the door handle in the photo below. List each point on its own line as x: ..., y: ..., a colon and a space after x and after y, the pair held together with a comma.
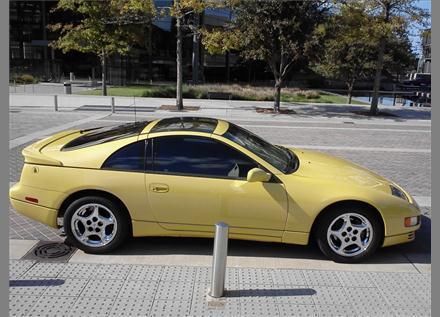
x: 159, y: 188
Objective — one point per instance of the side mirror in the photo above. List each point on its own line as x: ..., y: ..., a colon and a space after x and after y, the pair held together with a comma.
x: 258, y: 175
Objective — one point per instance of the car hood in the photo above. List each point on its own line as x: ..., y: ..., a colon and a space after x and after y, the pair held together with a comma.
x: 318, y: 165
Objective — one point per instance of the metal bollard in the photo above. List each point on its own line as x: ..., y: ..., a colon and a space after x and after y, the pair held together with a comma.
x: 219, y: 260
x: 113, y: 104
x: 55, y: 101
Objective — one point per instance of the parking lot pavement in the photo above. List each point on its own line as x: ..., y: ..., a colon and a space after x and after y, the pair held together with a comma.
x: 263, y: 278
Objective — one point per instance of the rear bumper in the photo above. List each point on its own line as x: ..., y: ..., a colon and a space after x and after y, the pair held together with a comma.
x: 41, y: 214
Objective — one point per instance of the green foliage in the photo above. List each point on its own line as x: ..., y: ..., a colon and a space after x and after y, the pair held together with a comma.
x: 347, y: 43
x: 105, y: 27
x: 24, y: 79
x: 221, y: 40
x: 391, y: 17
x: 277, y: 32
x: 399, y: 57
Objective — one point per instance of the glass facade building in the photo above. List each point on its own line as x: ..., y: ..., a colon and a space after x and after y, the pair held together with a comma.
x: 30, y: 52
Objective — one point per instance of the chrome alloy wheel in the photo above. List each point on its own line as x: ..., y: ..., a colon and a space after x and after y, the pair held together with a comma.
x: 349, y: 234
x: 94, y: 225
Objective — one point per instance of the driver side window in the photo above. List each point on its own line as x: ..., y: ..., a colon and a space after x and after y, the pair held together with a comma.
x: 198, y: 156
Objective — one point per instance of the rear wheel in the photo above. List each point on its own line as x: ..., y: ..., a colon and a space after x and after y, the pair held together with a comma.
x: 349, y: 234
x: 96, y: 224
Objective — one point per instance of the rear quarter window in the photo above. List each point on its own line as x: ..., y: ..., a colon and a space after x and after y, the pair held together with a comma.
x: 128, y: 158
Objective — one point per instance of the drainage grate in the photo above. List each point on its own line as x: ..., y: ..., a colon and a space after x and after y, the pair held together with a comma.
x: 46, y: 251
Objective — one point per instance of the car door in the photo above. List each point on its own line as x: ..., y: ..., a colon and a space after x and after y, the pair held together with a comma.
x: 195, y: 181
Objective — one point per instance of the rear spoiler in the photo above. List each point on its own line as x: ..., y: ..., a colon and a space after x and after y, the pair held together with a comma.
x: 32, y: 153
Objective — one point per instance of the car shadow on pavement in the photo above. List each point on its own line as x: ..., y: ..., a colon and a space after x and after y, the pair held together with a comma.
x: 417, y: 251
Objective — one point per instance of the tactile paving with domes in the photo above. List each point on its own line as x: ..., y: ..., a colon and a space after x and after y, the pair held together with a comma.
x: 81, y: 289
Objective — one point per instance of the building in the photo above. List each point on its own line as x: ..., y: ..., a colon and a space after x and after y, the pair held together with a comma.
x: 424, y: 65
x: 30, y: 52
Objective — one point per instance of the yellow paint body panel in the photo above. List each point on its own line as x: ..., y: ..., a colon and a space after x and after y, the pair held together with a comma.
x: 399, y: 239
x: 36, y: 212
x: 282, y: 211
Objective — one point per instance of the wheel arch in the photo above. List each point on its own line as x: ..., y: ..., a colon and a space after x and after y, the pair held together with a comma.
x: 94, y: 192
x: 346, y: 203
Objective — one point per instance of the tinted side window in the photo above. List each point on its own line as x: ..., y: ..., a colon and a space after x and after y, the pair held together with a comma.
x: 130, y: 158
x: 199, y: 156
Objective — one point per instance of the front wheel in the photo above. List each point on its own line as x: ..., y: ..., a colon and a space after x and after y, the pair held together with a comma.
x: 349, y: 235
x: 95, y: 224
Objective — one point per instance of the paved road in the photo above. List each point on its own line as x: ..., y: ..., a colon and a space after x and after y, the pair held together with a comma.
x: 398, y: 148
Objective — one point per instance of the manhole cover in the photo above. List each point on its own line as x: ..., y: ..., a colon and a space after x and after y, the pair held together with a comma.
x: 50, y: 251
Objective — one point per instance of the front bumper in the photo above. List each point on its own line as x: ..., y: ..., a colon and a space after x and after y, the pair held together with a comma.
x: 399, y: 239
x: 396, y: 231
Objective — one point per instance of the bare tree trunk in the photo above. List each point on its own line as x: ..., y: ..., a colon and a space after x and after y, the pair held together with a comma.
x: 350, y: 90
x: 104, y: 73
x: 228, y: 72
x: 276, y: 104
x: 202, y: 64
x: 179, y: 99
x: 377, y: 78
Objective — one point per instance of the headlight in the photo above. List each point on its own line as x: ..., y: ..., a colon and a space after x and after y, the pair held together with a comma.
x: 398, y: 193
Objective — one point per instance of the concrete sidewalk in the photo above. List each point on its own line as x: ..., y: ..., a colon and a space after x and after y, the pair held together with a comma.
x: 209, y: 107
x: 92, y: 289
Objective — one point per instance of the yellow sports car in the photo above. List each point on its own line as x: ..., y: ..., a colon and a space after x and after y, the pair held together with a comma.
x: 179, y: 176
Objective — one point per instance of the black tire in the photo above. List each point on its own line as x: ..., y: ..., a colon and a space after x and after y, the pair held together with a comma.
x: 333, y: 214
x: 120, y: 228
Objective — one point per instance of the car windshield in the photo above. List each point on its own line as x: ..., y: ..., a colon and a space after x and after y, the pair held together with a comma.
x: 105, y: 134
x: 278, y: 156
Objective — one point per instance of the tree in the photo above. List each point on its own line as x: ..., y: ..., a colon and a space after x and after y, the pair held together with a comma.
x: 399, y: 57
x: 345, y: 54
x: 104, y: 27
x: 186, y: 14
x: 277, y: 32
x: 390, y: 16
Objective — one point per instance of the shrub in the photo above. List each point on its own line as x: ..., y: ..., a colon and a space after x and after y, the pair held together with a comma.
x: 301, y: 94
x: 24, y: 79
x: 308, y: 94
x: 312, y: 94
